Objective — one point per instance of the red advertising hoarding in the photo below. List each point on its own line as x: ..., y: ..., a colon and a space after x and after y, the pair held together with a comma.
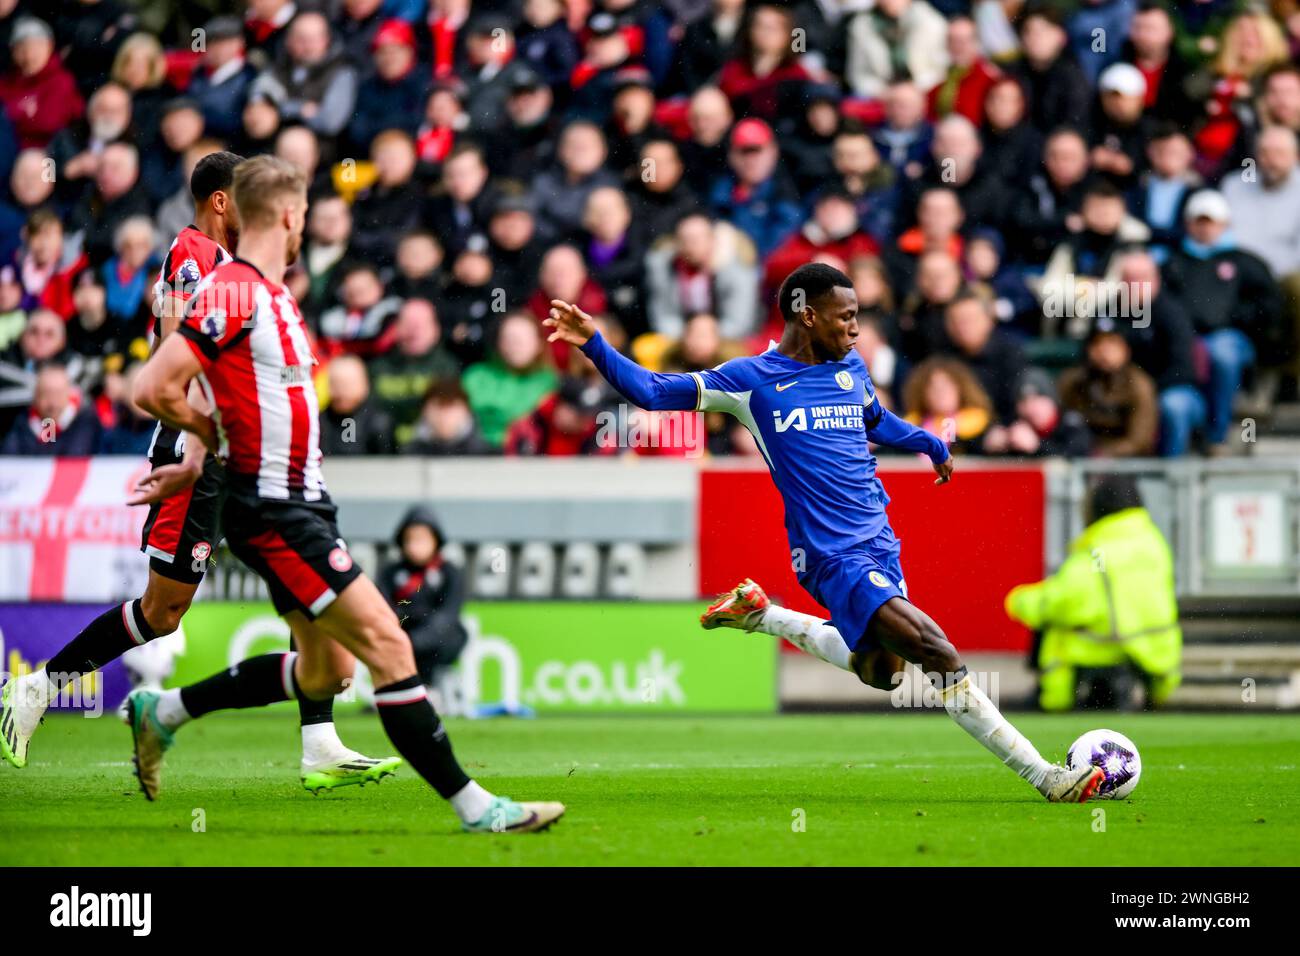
x: 965, y: 544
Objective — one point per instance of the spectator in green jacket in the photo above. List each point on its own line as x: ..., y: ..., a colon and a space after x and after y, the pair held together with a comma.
x: 1108, y: 618
x: 511, y: 383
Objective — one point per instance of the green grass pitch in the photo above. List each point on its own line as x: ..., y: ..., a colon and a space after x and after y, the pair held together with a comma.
x: 878, y: 789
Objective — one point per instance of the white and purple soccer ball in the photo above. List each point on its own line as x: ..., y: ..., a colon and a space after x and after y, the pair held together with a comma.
x: 1115, y: 754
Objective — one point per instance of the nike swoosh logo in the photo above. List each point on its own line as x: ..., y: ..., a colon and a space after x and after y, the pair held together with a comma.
x: 782, y: 388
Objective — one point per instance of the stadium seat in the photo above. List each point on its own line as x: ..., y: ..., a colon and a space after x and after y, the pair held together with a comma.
x: 580, y: 570
x: 536, y: 575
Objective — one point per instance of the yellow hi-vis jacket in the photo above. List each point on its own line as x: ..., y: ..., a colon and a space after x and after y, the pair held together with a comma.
x: 1111, y: 601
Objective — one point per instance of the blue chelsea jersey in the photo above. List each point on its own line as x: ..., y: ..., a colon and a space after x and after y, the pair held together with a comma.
x: 810, y: 423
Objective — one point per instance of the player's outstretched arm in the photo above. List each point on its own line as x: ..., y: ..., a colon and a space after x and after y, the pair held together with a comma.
x: 162, y: 390
x: 891, y: 430
x: 646, y: 389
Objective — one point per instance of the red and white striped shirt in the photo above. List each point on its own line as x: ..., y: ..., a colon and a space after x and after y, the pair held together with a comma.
x: 250, y: 340
x: 192, y: 255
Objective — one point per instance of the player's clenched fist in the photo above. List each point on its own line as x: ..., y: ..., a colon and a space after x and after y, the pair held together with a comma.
x: 944, y: 471
x: 570, y: 323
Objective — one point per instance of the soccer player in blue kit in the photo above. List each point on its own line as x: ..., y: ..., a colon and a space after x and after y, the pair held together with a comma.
x: 812, y: 409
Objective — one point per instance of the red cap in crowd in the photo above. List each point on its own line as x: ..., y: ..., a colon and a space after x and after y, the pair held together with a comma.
x: 751, y: 134
x: 393, y: 31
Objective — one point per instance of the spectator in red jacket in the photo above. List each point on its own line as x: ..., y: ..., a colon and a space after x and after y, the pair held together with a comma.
x: 832, y: 235
x: 39, y: 96
x: 48, y: 265
x: 564, y: 276
x: 766, y: 74
x: 969, y: 75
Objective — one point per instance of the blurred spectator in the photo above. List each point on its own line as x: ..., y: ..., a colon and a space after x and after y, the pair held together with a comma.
x: 706, y: 42
x: 563, y: 275
x: 419, y: 258
x: 939, y: 218
x: 1163, y: 344
x: 1057, y: 86
x: 873, y: 185
x: 1164, y: 189
x: 128, y: 275
x: 76, y: 149
x: 944, y: 398
x: 709, y: 119
x: 1266, y: 207
x: 115, y: 198
x: 545, y: 43
x: 1012, y: 145
x: 266, y: 24
x: 984, y: 261
x: 221, y: 82
x: 391, y: 204
x: 615, y: 254
x: 48, y: 264
x: 1040, y: 427
x: 922, y: 318
x: 329, y: 228
x: 904, y: 138
x: 1251, y: 45
x: 403, y: 374
x: 832, y: 235
x: 352, y: 423
x: 564, y: 424
x: 515, y: 248
x: 969, y: 76
x: 954, y: 163
x: 705, y: 267
x: 89, y: 332
x: 362, y: 321
x: 140, y: 68
x: 177, y: 210
x: 994, y: 356
x: 896, y: 38
x: 701, y: 346
x: 393, y: 95
x: 359, y: 24
x: 1234, y: 303
x: 1279, y: 105
x: 38, y: 94
x: 765, y: 78
x: 560, y: 193
x: 446, y: 425
x: 1089, y: 257
x: 489, y: 70
x: 1150, y: 47
x: 1047, y: 211
x: 659, y: 192
x: 1120, y: 129
x: 58, y: 423
x: 31, y: 183
x: 180, y: 126
x: 525, y: 143
x: 427, y: 594
x: 1098, y: 18
x: 631, y: 120
x: 757, y: 196
x: 471, y: 302
x: 462, y: 207
x: 311, y: 80
x: 512, y: 382
x: 807, y: 136
x: 1116, y: 398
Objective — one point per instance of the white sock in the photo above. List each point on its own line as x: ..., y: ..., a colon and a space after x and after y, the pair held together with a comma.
x: 321, y: 744
x: 808, y: 633
x: 470, y: 802
x: 171, y: 712
x: 971, y: 708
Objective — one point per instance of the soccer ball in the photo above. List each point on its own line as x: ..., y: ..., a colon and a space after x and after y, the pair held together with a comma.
x: 1115, y: 754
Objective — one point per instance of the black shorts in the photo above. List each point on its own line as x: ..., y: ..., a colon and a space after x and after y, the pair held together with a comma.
x: 181, y: 532
x: 295, y: 548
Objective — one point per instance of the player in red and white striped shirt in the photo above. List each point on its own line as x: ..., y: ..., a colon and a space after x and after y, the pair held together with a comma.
x: 185, y: 493
x: 243, y: 339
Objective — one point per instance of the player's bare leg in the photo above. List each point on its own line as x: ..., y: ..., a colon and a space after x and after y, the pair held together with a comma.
x: 361, y: 620
x: 312, y: 675
x: 902, y: 629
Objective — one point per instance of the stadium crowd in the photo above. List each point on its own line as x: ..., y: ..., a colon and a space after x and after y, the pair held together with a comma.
x: 1073, y: 227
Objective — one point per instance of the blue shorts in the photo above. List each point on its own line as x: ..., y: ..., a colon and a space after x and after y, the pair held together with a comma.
x: 853, y: 584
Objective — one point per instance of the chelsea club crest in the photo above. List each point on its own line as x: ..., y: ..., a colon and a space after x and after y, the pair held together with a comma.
x: 844, y: 380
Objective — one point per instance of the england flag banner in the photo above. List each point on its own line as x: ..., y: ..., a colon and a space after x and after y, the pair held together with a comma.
x: 66, y: 532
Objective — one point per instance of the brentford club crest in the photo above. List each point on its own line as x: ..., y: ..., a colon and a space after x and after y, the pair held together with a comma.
x: 201, y: 551
x: 340, y: 560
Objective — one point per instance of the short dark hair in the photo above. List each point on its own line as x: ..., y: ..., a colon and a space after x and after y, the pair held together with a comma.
x: 1103, y: 188
x: 814, y: 279
x: 214, y: 172
x: 1113, y: 493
